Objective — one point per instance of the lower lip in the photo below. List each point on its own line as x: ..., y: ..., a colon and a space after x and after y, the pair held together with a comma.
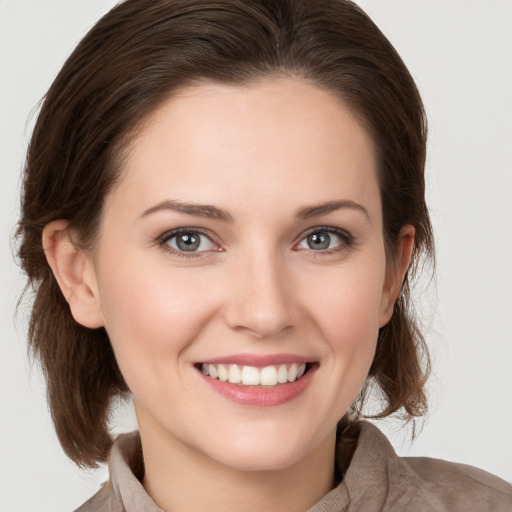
x: 258, y: 396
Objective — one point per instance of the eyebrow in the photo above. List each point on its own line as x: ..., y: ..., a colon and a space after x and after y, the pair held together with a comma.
x: 212, y: 212
x: 325, y: 208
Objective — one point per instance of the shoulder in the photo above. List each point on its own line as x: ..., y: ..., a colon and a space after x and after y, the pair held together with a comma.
x: 378, y: 479
x: 451, y: 486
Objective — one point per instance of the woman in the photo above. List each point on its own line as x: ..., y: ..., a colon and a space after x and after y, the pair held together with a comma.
x: 223, y: 206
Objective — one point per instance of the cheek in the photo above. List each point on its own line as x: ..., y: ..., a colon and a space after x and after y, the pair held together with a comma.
x: 150, y: 317
x: 348, y: 305
x: 344, y: 306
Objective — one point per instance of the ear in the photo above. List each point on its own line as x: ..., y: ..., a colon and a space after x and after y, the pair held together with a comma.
x: 74, y: 272
x: 395, y: 273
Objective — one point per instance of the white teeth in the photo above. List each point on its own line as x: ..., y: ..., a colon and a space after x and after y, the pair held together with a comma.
x: 292, y: 373
x: 223, y: 373
x: 212, y: 370
x: 252, y: 376
x: 282, y: 374
x: 235, y: 375
x: 268, y: 376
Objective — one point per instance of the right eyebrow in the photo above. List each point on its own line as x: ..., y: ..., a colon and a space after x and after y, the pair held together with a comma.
x: 199, y: 210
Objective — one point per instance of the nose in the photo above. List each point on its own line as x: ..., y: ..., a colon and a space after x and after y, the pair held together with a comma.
x: 261, y: 301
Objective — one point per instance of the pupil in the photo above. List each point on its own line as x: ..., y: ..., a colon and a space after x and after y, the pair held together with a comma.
x: 188, y: 242
x: 319, y: 240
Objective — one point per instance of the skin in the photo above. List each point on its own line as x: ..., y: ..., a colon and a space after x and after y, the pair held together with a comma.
x: 260, y: 153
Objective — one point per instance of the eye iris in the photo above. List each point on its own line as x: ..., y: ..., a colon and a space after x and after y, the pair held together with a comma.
x: 319, y: 240
x: 188, y: 241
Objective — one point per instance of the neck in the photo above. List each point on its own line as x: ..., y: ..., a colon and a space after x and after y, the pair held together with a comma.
x: 180, y: 479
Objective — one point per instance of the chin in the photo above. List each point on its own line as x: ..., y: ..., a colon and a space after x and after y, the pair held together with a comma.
x: 260, y: 461
x: 262, y: 453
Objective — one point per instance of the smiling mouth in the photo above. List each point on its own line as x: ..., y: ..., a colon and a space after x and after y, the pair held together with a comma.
x: 266, y: 377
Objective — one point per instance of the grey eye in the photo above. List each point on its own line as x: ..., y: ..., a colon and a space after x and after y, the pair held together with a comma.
x: 190, y: 241
x: 321, y: 240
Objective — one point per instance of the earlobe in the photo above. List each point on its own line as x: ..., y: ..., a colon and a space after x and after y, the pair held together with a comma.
x: 396, y: 272
x: 74, y: 273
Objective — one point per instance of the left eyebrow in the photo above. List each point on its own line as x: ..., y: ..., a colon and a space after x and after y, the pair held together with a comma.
x: 325, y: 208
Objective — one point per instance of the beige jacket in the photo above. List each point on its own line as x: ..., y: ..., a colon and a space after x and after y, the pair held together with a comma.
x: 377, y: 480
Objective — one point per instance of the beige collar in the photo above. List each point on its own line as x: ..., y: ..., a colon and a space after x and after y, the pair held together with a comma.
x: 374, y: 469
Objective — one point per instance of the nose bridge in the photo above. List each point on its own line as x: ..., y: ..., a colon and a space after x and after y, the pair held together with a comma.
x: 262, y: 302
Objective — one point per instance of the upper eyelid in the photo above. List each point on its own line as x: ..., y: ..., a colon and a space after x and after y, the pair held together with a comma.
x: 329, y: 229
x: 332, y: 229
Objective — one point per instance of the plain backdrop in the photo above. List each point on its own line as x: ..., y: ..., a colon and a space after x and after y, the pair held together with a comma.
x: 460, y: 53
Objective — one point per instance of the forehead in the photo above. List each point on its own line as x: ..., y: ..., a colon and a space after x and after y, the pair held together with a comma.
x: 279, y: 140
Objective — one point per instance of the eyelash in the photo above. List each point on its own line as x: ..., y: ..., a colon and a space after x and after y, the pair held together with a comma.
x: 347, y: 241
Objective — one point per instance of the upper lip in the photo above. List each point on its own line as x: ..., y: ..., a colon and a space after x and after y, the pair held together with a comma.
x: 259, y: 361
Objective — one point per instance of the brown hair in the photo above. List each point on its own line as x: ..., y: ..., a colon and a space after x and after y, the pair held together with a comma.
x: 132, y: 59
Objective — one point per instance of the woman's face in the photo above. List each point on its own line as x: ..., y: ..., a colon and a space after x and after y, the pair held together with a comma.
x: 244, y: 241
